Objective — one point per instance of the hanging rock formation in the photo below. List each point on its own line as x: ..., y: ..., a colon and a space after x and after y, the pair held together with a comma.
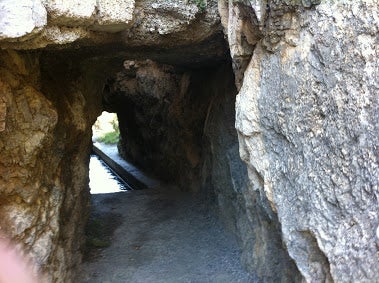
x: 307, y: 116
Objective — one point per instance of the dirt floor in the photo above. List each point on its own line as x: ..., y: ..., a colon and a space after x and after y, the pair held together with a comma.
x: 154, y: 236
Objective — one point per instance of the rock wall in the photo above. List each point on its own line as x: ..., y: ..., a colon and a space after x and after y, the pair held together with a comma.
x: 243, y: 210
x: 307, y: 119
x: 74, y: 88
x: 45, y: 143
x: 28, y: 124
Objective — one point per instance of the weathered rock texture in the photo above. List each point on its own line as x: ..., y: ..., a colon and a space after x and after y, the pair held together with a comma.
x: 44, y: 166
x: 161, y: 111
x: 243, y: 210
x: 27, y: 128
x: 307, y: 117
x: 241, y: 27
x: 32, y: 24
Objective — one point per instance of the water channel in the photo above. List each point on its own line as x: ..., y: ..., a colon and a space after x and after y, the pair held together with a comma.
x: 102, y: 179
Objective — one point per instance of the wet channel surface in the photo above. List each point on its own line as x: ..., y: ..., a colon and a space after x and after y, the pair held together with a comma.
x: 102, y: 179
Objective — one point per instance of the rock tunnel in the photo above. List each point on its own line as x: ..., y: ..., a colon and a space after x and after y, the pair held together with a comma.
x: 177, y: 121
x: 172, y: 72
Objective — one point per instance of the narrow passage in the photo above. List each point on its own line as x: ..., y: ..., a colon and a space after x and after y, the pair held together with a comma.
x: 157, y: 235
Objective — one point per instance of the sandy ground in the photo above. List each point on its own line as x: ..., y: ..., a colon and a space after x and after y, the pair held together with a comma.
x: 156, y: 236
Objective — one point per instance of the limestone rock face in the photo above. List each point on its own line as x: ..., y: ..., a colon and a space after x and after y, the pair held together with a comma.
x: 108, y: 15
x: 33, y: 20
x: 32, y: 24
x: 307, y: 117
x: 242, y: 208
x: 169, y: 23
x: 45, y: 141
x: 27, y: 128
x: 241, y: 27
x: 21, y: 18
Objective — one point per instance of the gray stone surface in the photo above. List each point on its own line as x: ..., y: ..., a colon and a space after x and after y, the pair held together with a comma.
x: 308, y: 116
x: 36, y: 24
x: 241, y: 21
x: 20, y: 18
x: 238, y: 200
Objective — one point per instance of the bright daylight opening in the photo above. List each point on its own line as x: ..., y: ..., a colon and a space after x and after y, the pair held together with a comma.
x: 105, y: 134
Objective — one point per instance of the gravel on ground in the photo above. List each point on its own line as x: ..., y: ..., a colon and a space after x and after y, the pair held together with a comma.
x: 156, y: 235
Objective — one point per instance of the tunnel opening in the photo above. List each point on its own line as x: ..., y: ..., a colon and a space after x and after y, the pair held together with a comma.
x: 164, y: 114
x: 176, y: 123
x: 106, y: 129
x: 102, y: 179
